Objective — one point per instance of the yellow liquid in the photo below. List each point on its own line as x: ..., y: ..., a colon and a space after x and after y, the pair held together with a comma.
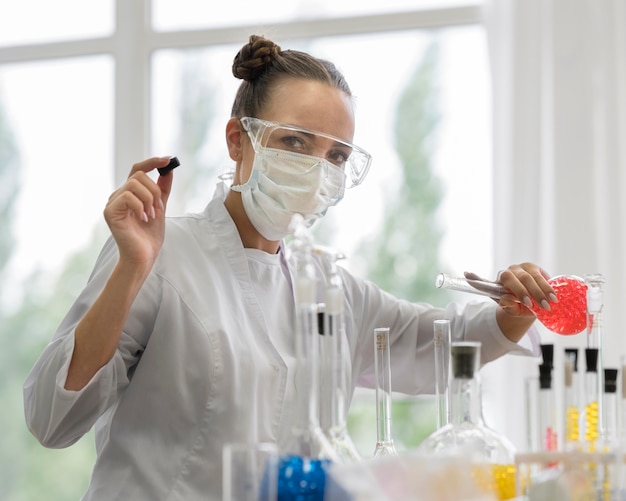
x: 496, y: 478
x: 571, y: 424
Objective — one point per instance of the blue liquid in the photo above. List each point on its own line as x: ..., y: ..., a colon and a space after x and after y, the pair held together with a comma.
x: 301, y: 479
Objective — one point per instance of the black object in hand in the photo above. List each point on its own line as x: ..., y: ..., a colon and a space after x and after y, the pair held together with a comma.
x: 174, y: 162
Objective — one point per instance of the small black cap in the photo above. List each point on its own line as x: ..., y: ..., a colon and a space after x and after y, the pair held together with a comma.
x: 174, y: 162
x: 610, y: 380
x: 572, y: 354
x: 545, y: 377
x: 547, y: 353
x: 465, y: 359
x: 591, y: 357
x: 321, y: 314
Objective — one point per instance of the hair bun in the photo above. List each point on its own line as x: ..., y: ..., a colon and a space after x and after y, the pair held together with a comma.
x: 254, y: 58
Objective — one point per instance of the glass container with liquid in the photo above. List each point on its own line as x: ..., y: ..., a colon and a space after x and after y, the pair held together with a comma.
x: 308, y: 453
x: 566, y: 317
x: 490, y: 454
x: 571, y: 400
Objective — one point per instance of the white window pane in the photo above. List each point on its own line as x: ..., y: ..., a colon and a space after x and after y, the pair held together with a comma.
x: 186, y: 14
x: 61, y: 116
x: 377, y: 68
x: 34, y: 21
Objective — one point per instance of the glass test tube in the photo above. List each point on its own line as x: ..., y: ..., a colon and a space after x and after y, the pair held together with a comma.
x: 547, y: 411
x: 591, y: 399
x: 608, y: 444
x: 609, y: 417
x: 622, y: 403
x: 384, y: 438
x: 571, y: 399
x: 442, y: 339
x: 595, y: 308
x: 338, y: 374
x: 531, y: 394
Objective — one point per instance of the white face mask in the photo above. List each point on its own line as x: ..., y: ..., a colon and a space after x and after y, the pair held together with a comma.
x: 282, y: 184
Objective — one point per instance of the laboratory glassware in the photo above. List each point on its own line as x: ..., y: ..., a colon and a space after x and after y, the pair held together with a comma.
x: 566, y: 317
x: 608, y: 442
x: 384, y: 437
x: 441, y: 341
x: 547, y: 403
x: 595, y: 312
x: 609, y: 430
x: 307, y: 453
x: 622, y: 403
x: 250, y: 472
x: 531, y: 395
x: 592, y: 426
x: 466, y: 435
x: 334, y: 371
x: 571, y: 400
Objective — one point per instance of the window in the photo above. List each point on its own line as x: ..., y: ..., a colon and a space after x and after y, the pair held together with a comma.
x: 58, y: 83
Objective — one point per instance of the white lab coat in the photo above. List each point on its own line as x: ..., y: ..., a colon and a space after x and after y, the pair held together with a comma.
x: 196, y: 368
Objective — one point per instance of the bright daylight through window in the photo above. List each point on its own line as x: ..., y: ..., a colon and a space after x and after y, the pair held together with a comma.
x: 422, y: 111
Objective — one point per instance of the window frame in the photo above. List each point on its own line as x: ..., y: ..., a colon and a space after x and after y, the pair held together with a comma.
x: 134, y: 41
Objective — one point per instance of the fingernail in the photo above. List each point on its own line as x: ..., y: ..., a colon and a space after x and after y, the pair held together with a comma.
x: 144, y: 216
x: 152, y: 212
x: 527, y: 301
x: 553, y: 298
x: 161, y: 206
x: 545, y: 305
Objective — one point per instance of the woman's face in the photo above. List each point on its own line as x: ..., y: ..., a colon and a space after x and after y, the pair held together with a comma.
x: 309, y: 104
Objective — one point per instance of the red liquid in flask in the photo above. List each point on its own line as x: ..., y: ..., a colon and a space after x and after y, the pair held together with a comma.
x: 569, y: 315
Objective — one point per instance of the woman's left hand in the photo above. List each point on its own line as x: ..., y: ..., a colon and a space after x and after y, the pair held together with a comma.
x: 526, y: 282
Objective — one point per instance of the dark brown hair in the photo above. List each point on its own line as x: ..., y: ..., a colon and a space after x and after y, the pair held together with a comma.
x: 261, y: 64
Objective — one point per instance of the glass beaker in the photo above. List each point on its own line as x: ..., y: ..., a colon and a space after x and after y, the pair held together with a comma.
x: 466, y: 435
x: 568, y: 316
x: 250, y: 472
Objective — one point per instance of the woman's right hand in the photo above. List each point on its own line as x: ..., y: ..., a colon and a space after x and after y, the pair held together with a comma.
x: 135, y: 213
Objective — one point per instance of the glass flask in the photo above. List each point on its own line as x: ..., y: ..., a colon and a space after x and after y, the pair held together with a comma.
x: 490, y: 453
x: 384, y: 437
x: 334, y: 374
x: 566, y: 317
x: 307, y: 453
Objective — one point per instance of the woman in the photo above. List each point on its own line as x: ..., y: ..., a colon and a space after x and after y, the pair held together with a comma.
x: 182, y: 340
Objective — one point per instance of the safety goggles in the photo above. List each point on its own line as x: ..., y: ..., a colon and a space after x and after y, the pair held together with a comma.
x: 354, y: 161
